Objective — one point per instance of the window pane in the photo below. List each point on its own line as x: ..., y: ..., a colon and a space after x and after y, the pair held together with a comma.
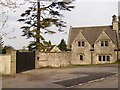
x: 81, y: 57
x: 102, y: 43
x: 93, y: 46
x: 108, y: 58
x: 103, y: 58
x: 83, y: 44
x: 79, y: 44
x: 106, y: 43
x: 100, y: 58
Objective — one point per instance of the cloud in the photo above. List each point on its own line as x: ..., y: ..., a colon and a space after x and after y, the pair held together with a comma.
x: 97, y: 0
x: 86, y: 13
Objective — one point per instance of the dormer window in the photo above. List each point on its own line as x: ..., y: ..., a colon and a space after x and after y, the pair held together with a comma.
x: 104, y: 43
x: 81, y: 44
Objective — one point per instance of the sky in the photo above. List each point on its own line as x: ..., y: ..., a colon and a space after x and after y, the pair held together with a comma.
x: 86, y: 13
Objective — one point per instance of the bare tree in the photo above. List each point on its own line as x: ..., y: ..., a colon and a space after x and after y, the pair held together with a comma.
x: 5, y: 7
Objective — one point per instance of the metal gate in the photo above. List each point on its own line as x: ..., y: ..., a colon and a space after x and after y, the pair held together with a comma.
x: 25, y: 61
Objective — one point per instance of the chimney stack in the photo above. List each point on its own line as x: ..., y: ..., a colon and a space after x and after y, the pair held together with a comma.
x: 115, y: 23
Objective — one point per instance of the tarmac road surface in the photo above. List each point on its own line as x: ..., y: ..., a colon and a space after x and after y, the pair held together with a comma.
x: 65, y: 77
x: 81, y: 80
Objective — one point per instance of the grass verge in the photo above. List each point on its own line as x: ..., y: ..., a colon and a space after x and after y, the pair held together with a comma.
x: 117, y: 62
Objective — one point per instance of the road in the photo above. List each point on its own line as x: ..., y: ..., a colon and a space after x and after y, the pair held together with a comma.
x: 77, y: 77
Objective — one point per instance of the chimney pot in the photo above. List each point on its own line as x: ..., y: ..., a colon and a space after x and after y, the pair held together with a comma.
x: 115, y: 23
x: 114, y: 18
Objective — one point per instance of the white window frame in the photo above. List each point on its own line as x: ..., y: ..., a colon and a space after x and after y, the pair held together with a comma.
x: 81, y: 43
x: 104, y: 58
x: 104, y: 43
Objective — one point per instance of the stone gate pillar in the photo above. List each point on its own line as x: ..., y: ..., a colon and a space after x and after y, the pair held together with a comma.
x: 37, y: 59
x: 13, y: 63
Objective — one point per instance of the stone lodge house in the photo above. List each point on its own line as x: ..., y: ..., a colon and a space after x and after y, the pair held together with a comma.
x: 94, y: 45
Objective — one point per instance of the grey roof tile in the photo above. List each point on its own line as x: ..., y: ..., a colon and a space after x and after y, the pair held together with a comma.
x: 91, y: 33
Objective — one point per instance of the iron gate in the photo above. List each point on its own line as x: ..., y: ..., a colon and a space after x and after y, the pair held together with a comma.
x: 25, y: 61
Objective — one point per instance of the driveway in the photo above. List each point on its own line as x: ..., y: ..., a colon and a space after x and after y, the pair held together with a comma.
x: 76, y: 77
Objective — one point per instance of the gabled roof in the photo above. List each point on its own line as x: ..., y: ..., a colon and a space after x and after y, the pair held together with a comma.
x: 53, y: 48
x: 49, y: 49
x: 112, y: 36
x: 91, y: 33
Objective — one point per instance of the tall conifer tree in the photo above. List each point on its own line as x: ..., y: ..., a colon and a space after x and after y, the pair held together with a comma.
x: 40, y: 17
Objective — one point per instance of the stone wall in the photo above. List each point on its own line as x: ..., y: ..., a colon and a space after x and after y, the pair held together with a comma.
x: 108, y: 50
x: 77, y: 51
x: 91, y: 53
x: 8, y: 63
x: 62, y: 59
x: 5, y: 64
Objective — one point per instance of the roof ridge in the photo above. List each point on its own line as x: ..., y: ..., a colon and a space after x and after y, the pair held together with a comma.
x: 90, y: 26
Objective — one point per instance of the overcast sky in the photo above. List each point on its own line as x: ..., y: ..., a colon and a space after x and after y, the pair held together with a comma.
x: 86, y: 13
